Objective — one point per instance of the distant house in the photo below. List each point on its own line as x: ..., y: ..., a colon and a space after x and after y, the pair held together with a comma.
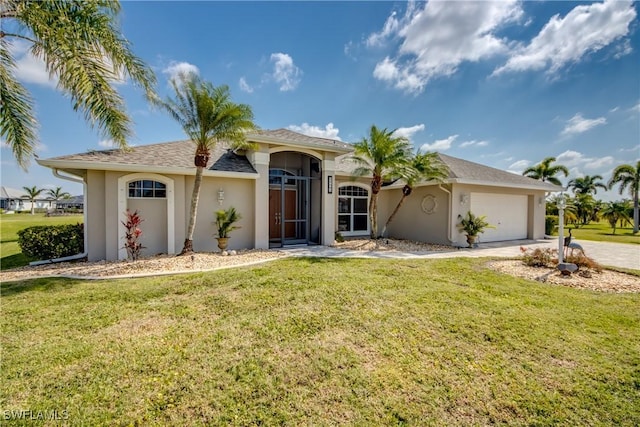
x: 75, y: 202
x: 15, y: 200
x: 291, y: 189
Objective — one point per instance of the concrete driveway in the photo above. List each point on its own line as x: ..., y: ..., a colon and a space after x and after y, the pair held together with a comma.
x: 608, y: 254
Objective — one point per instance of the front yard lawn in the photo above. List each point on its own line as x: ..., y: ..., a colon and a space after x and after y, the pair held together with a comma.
x: 322, y: 342
x: 602, y: 232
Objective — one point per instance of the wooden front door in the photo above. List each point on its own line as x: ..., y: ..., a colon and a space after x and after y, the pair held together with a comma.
x: 276, y: 217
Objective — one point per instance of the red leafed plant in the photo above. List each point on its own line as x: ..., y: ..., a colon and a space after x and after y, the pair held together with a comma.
x: 132, y: 234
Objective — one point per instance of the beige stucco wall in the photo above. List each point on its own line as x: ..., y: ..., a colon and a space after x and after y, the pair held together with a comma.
x: 238, y: 193
x: 154, y: 225
x: 94, y: 205
x: 412, y: 222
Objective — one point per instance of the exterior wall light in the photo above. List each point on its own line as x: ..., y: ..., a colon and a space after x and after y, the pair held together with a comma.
x: 330, y: 184
x: 464, y: 198
x: 220, y: 196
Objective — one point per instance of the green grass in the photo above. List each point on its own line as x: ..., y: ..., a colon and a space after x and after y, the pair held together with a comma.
x: 322, y: 342
x: 10, y: 254
x: 602, y: 232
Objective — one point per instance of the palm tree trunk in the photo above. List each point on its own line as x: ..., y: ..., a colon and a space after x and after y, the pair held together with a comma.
x: 635, y: 213
x: 188, y: 241
x: 373, y: 214
x: 33, y: 207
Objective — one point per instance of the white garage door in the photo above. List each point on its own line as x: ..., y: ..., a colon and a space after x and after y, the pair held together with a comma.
x: 507, y: 212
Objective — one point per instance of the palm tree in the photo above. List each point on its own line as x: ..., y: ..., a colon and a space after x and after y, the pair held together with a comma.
x: 545, y: 172
x: 587, y: 184
x: 614, y: 212
x: 57, y: 194
x: 84, y: 50
x: 32, y: 194
x: 424, y: 167
x: 628, y: 176
x: 384, y: 157
x: 585, y: 205
x: 207, y: 115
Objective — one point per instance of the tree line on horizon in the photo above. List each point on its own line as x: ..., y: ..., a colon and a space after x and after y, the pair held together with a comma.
x: 583, y: 207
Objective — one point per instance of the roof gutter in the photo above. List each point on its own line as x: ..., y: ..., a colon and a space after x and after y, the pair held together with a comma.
x: 85, y: 252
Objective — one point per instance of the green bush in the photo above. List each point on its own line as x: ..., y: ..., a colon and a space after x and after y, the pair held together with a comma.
x: 550, y: 224
x: 51, y: 241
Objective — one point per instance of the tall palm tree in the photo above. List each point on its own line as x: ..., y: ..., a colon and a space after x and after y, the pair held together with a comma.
x: 57, y: 194
x: 424, y: 167
x: 384, y: 157
x: 546, y: 172
x: 628, y: 177
x: 83, y: 49
x: 614, y: 212
x: 207, y: 115
x: 31, y: 194
x: 587, y: 184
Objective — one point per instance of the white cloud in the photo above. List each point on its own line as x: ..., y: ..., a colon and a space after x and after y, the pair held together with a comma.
x: 409, y: 132
x: 578, y: 124
x: 474, y: 143
x: 328, y: 132
x: 440, y: 144
x: 30, y: 69
x: 519, y: 166
x: 623, y: 49
x: 585, y: 29
x: 285, y: 72
x: 599, y: 163
x: 635, y: 108
x: 614, y: 109
x: 174, y: 69
x: 635, y: 149
x: 244, y: 86
x: 390, y: 27
x: 570, y: 158
x: 437, y: 38
x: 106, y: 143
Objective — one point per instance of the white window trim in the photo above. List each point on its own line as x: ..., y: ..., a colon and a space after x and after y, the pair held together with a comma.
x: 123, y: 196
x: 359, y: 232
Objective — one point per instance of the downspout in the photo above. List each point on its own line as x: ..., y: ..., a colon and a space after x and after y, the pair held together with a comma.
x: 450, y: 213
x: 57, y: 174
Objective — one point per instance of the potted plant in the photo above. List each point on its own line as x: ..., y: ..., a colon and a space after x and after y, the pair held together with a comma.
x: 473, y: 225
x: 225, y: 220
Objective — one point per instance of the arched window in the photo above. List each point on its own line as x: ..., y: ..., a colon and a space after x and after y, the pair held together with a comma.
x: 353, y: 213
x: 146, y: 188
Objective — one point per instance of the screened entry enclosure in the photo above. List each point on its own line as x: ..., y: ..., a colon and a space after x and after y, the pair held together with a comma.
x: 294, y: 200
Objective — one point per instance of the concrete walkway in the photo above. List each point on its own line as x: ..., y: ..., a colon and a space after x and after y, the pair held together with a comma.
x: 608, y: 254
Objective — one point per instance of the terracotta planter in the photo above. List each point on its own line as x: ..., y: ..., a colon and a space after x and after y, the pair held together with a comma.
x: 471, y: 240
x: 223, y: 242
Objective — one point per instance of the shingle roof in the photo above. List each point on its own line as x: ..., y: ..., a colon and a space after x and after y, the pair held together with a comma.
x: 464, y: 171
x: 298, y: 138
x: 469, y: 172
x: 178, y: 154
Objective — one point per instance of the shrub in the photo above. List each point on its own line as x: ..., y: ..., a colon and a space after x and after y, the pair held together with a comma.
x: 582, y: 261
x: 51, y: 241
x: 339, y: 237
x: 539, y: 257
x: 550, y: 224
x: 132, y: 234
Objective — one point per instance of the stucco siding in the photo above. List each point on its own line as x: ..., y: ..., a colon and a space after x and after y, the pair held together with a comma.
x: 238, y: 193
x: 95, y: 214
x: 422, y: 216
x: 154, y: 225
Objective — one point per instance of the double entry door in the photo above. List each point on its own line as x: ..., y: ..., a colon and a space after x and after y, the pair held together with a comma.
x: 288, y: 210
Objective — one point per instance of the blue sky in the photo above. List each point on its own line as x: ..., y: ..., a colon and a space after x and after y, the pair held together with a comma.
x: 504, y: 84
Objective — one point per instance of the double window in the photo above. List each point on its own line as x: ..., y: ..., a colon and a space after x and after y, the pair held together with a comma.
x: 147, y: 189
x: 353, y: 215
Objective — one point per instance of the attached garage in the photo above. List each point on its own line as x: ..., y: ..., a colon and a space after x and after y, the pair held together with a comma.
x: 509, y: 213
